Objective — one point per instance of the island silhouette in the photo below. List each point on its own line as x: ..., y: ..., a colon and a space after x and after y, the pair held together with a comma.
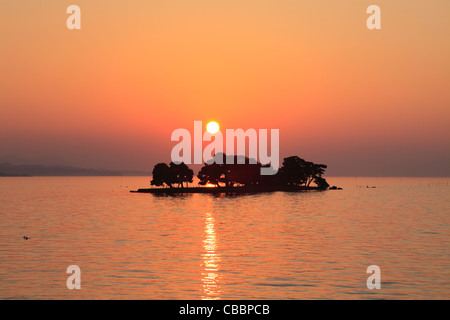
x: 242, y: 175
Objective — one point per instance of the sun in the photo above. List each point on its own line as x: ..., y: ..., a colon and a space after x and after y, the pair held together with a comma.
x: 212, y: 127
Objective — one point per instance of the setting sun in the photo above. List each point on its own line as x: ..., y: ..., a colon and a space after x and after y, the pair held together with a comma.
x: 212, y: 127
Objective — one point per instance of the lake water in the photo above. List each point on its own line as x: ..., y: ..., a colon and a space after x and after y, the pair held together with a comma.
x: 311, y: 245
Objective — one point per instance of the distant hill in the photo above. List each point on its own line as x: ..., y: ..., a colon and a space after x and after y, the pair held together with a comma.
x: 2, y: 174
x: 12, y: 170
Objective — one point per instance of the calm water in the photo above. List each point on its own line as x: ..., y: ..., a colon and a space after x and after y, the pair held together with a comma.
x: 269, y: 246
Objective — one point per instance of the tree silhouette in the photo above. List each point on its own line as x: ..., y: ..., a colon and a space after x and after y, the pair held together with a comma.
x: 321, y: 183
x: 293, y: 171
x: 173, y: 173
x: 162, y: 175
x: 296, y: 171
x: 240, y: 172
x: 211, y: 173
x: 314, y: 171
x: 181, y: 173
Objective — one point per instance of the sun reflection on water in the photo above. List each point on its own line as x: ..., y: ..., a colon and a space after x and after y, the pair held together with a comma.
x: 211, y: 260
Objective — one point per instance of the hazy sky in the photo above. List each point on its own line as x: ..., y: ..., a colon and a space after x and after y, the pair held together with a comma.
x: 365, y: 102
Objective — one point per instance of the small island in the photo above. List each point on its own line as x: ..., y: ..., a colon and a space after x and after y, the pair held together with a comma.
x: 239, y: 176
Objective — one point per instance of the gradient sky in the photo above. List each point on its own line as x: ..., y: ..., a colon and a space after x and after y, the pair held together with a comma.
x: 367, y: 103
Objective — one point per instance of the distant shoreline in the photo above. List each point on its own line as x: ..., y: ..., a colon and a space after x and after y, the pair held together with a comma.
x: 9, y: 175
x: 36, y: 170
x: 229, y: 190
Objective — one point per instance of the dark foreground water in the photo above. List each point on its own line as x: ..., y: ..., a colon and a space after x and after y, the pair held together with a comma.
x: 199, y: 246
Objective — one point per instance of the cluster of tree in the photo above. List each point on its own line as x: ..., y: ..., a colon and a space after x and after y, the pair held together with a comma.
x: 296, y: 172
x: 172, y: 174
x: 243, y: 172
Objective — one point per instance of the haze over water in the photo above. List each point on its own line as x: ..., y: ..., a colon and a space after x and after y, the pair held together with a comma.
x: 310, y: 245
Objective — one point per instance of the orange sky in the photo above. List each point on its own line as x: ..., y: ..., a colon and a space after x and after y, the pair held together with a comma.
x: 109, y: 95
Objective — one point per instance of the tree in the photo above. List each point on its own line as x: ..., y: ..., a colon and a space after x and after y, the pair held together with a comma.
x: 315, y: 171
x: 293, y: 172
x: 240, y: 172
x: 181, y: 173
x: 211, y: 173
x: 173, y: 173
x: 296, y: 171
x: 162, y: 175
x: 321, y: 183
